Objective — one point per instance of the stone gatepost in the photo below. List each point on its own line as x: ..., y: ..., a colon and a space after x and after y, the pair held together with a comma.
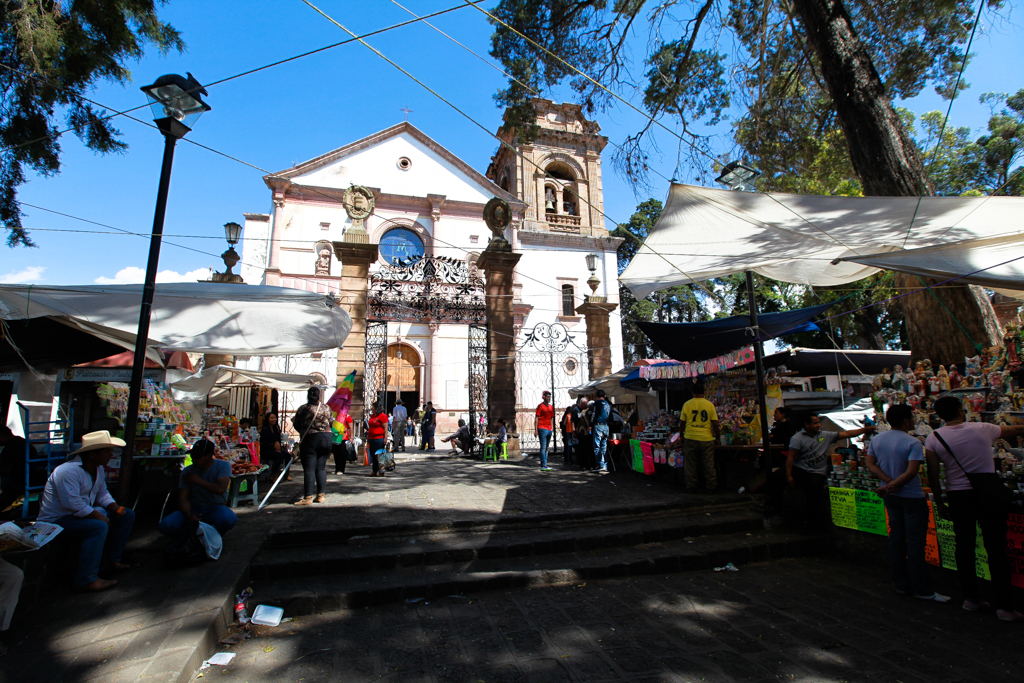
x: 595, y: 311
x: 356, y: 255
x: 498, y: 266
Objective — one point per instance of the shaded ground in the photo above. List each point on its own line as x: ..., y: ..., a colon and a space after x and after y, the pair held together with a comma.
x: 158, y: 623
x: 793, y: 620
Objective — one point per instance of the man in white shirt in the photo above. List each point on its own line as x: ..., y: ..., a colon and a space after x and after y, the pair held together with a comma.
x: 76, y: 498
x: 399, y: 417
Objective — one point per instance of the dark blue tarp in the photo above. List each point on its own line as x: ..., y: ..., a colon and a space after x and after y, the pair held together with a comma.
x: 700, y: 341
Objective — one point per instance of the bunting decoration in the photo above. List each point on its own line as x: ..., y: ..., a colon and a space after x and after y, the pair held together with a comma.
x: 684, y: 370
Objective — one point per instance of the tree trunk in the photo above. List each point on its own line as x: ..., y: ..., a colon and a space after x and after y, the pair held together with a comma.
x: 887, y: 162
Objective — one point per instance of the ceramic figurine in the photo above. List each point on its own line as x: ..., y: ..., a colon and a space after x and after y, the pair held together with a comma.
x: 915, y: 402
x: 964, y: 383
x: 934, y: 385
x: 901, y: 397
x: 943, y: 378
x: 886, y: 378
x: 954, y: 377
x: 899, y: 380
x: 1011, y: 342
x: 972, y: 365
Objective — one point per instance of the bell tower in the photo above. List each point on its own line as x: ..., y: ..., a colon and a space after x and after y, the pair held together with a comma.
x: 560, y: 177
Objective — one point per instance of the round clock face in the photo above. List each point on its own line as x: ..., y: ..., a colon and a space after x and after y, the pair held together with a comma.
x: 399, y: 244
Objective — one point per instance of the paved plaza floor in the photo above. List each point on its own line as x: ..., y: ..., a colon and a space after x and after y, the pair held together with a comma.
x: 790, y: 620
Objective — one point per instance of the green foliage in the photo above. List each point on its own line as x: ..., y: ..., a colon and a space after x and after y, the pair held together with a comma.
x: 52, y: 53
x: 787, y: 127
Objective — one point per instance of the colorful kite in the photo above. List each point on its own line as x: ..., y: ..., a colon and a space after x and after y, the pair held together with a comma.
x: 339, y: 402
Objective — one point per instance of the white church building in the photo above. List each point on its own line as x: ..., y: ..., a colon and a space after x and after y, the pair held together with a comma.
x: 427, y: 208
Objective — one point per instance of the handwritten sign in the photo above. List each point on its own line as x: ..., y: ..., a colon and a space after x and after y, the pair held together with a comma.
x: 870, y: 513
x: 1015, y: 549
x: 931, y: 542
x: 844, y: 507
x: 646, y: 458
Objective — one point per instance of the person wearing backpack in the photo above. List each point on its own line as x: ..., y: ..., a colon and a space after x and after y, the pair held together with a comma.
x: 598, y: 415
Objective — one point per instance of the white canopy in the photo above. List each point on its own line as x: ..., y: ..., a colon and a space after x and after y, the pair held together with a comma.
x: 610, y: 384
x: 705, y: 233
x: 1000, y: 261
x: 196, y: 317
x: 214, y: 382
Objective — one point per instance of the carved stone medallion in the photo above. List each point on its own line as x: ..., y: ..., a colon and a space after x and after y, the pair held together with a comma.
x: 359, y: 203
x: 497, y: 216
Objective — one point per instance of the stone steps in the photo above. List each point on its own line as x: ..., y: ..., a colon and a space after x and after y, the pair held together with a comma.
x: 402, y: 546
x: 310, y: 595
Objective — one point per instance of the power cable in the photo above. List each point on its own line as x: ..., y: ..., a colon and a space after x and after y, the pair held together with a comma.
x: 945, y: 120
x: 475, y: 122
x: 248, y: 72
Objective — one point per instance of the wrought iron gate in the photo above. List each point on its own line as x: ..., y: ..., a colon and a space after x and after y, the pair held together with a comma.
x: 375, y: 369
x: 548, y: 359
x: 479, y: 353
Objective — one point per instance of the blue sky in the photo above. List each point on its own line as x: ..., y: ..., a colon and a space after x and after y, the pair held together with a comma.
x: 299, y: 110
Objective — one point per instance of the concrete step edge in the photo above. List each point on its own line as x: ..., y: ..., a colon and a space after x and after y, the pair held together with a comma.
x: 332, y: 535
x: 399, y: 586
x: 345, y: 559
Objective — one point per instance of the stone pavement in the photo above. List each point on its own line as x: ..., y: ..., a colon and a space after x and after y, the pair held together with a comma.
x: 790, y: 620
x: 159, y: 624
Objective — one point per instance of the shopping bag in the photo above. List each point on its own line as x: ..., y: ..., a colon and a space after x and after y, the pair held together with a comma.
x: 386, y: 459
x: 213, y: 544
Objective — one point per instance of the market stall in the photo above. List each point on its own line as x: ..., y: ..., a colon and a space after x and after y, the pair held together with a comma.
x: 991, y: 386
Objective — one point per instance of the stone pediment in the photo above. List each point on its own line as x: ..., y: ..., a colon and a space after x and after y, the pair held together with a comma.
x: 399, y: 160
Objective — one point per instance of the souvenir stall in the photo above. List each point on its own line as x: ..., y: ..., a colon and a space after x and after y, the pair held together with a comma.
x: 212, y: 393
x: 732, y: 381
x: 991, y: 387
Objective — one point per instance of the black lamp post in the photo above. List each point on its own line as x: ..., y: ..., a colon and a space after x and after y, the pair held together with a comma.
x: 738, y: 176
x: 177, y: 103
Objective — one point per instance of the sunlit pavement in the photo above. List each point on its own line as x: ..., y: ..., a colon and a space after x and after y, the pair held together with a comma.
x: 791, y: 620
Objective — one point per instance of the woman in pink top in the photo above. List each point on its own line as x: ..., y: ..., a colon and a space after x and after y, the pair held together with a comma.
x: 971, y: 443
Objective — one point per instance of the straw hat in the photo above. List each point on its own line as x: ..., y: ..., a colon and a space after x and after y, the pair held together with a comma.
x: 97, y: 441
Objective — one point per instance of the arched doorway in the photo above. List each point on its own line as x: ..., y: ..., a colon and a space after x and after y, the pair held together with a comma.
x: 403, y: 380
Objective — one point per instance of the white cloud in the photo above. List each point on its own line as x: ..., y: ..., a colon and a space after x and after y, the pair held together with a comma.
x: 133, y: 275
x: 30, y: 274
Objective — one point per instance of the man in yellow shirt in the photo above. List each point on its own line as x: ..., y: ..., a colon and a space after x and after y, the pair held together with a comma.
x: 700, y: 427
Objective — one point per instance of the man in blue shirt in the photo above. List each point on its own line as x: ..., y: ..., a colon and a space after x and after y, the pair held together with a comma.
x: 895, y: 457
x: 202, y: 493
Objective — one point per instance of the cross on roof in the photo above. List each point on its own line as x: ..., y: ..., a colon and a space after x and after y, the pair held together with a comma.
x: 407, y: 111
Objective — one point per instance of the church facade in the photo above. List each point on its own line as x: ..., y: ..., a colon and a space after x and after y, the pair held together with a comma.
x: 423, y: 208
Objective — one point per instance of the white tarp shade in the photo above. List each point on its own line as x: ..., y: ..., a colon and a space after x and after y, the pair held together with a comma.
x: 125, y: 340
x: 213, y: 384
x: 850, y: 418
x: 196, y: 317
x: 1000, y: 260
x: 610, y: 384
x: 705, y: 233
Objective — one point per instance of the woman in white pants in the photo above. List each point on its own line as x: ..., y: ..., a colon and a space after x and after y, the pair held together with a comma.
x: 10, y: 586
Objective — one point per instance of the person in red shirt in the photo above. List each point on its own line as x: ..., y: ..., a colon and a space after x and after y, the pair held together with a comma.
x: 376, y: 436
x: 545, y: 423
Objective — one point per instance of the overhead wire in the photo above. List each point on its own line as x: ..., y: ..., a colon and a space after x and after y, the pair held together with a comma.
x: 945, y: 120
x: 247, y: 72
x: 478, y: 124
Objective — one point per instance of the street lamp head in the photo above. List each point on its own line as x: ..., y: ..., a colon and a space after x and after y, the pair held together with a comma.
x: 592, y: 262
x: 232, y: 231
x: 738, y: 176
x: 177, y: 103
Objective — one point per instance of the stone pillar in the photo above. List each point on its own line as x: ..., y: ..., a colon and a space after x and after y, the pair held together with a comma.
x: 278, y: 187
x: 596, y: 310
x: 433, y: 391
x: 498, y: 267
x: 355, y: 258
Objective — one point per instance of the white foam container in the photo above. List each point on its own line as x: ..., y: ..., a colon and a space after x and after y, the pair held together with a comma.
x: 267, y: 615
